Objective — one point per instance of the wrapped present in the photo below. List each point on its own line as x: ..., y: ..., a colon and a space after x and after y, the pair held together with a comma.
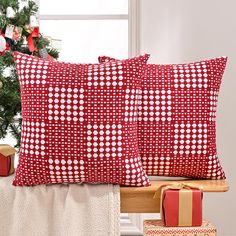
x: 181, y: 205
x: 157, y: 228
x: 7, y: 154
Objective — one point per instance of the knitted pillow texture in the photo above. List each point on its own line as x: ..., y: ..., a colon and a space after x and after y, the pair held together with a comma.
x: 79, y: 122
x: 177, y: 119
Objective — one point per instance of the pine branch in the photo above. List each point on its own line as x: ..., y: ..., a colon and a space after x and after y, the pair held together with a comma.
x: 8, y: 3
x: 8, y: 59
x: 15, y: 132
x: 41, y: 42
x: 22, y: 17
x: 3, y: 22
x: 3, y: 127
x: 53, y: 52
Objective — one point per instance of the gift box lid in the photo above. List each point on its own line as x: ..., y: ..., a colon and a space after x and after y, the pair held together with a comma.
x: 7, y: 150
x: 157, y: 226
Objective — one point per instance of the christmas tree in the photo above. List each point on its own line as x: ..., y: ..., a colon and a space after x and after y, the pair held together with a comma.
x: 19, y: 31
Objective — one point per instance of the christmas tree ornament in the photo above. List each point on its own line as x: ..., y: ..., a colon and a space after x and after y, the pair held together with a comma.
x: 33, y: 21
x: 3, y: 44
x: 28, y: 29
x: 10, y: 13
x: 1, y: 84
x: 9, y: 31
x: 43, y: 53
x: 24, y: 42
x: 17, y: 32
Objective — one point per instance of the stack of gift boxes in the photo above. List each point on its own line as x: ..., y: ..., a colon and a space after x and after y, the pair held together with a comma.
x: 181, y: 213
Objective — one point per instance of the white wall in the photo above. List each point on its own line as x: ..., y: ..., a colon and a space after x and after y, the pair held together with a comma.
x: 178, y: 31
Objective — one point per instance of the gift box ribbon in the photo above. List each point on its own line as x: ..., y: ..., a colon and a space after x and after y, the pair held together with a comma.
x: 185, y: 200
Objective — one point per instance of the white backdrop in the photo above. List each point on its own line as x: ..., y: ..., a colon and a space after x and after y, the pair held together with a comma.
x: 179, y: 31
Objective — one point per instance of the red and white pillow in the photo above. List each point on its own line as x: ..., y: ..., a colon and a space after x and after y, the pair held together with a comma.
x: 79, y: 122
x: 177, y: 119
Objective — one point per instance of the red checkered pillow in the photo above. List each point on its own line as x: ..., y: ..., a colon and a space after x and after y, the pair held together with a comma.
x: 79, y: 122
x: 176, y: 124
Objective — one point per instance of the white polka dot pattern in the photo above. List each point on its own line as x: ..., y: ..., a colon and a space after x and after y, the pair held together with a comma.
x: 176, y: 119
x: 79, y: 122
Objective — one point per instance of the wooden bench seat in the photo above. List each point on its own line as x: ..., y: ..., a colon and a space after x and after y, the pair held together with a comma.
x: 140, y: 199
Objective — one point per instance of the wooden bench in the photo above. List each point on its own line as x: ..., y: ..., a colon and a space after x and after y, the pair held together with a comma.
x: 140, y: 199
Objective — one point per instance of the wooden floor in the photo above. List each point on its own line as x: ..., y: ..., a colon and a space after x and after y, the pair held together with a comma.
x: 140, y: 199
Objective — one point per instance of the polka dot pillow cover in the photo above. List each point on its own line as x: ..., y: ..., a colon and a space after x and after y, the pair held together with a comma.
x: 79, y: 122
x: 177, y: 119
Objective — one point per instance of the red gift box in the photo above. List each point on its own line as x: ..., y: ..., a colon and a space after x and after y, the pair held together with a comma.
x: 7, y: 154
x: 181, y: 205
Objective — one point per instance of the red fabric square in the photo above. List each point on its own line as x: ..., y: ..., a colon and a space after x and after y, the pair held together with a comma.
x: 79, y: 122
x: 177, y: 118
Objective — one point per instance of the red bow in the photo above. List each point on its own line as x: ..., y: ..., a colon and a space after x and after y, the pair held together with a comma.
x: 34, y: 34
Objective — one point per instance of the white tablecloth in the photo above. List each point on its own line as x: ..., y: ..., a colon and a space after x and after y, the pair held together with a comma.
x: 59, y: 210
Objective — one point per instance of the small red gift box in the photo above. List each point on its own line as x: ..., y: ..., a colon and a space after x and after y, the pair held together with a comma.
x: 181, y: 205
x: 7, y: 154
x: 157, y: 228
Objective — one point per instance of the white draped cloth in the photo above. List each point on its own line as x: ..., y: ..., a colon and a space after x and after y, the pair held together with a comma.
x: 59, y: 210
